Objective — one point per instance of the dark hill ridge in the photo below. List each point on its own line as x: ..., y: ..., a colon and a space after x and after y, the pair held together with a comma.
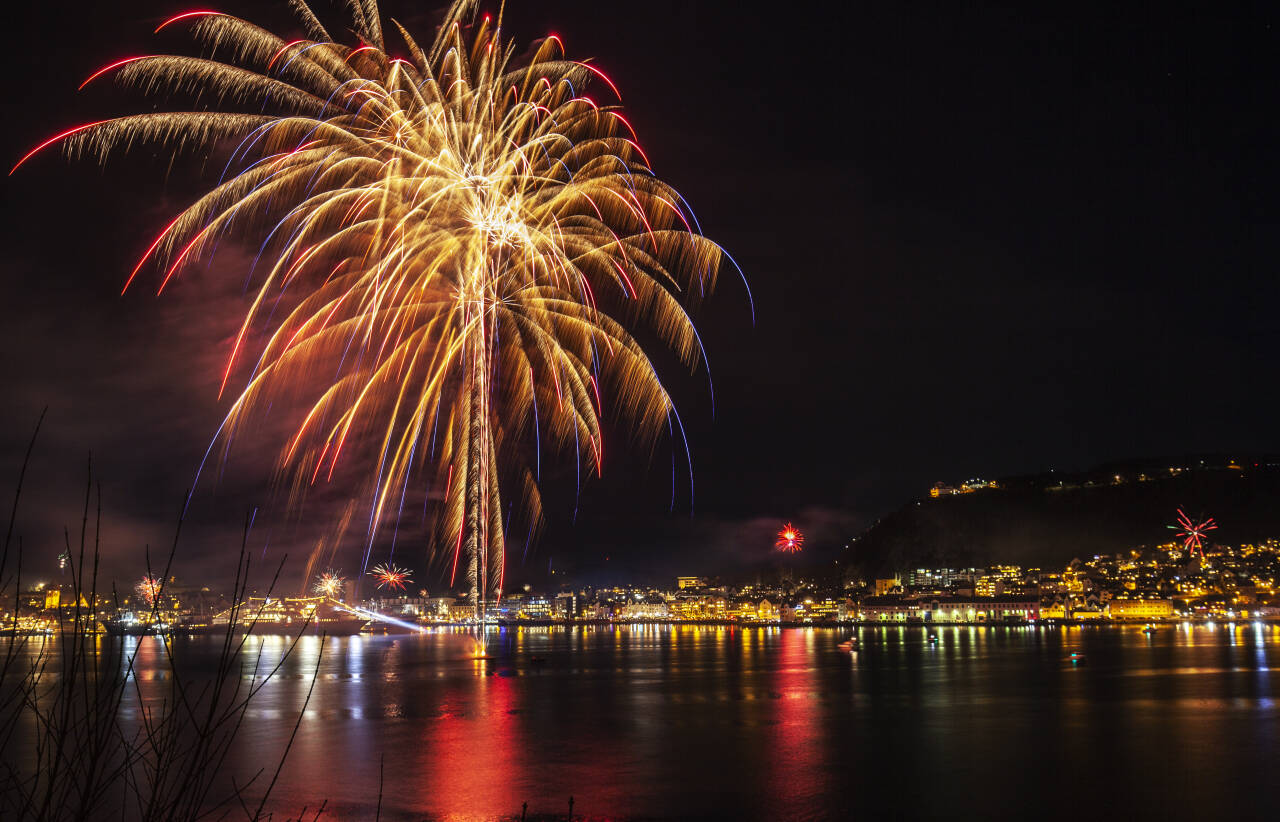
x: 1047, y: 519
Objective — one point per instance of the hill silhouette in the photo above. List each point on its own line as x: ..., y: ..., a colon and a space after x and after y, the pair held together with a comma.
x: 1047, y: 519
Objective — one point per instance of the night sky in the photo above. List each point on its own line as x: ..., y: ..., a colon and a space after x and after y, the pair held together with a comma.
x: 981, y: 241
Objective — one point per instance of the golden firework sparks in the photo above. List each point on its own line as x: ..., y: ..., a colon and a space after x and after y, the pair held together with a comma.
x: 329, y: 584
x: 454, y: 248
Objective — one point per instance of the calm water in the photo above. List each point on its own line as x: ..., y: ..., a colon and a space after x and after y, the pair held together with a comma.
x: 683, y: 722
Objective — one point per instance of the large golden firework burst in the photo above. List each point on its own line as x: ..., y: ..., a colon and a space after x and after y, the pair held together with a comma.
x: 454, y: 247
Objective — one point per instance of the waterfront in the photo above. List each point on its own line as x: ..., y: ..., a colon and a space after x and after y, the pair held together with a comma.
x: 645, y: 722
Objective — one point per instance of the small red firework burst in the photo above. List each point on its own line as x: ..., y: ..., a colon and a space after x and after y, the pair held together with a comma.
x: 790, y: 539
x: 1193, y: 533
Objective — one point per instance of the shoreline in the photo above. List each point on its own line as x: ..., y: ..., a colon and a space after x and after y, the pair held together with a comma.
x: 202, y: 631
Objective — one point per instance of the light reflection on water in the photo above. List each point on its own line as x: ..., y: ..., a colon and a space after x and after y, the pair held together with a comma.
x: 694, y: 722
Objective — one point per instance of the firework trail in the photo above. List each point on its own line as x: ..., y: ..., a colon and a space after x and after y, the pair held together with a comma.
x: 453, y: 249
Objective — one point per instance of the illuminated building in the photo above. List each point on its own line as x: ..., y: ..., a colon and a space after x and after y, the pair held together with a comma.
x: 984, y: 609
x: 690, y: 582
x: 525, y: 607
x: 942, y: 577
x: 1145, y: 609
x: 33, y: 599
x: 817, y: 610
x: 1000, y: 579
x: 398, y: 605
x: 941, y: 489
x: 988, y: 586
x: 568, y: 605
x: 461, y: 609
x: 641, y: 611
x: 884, y: 586
x: 1054, y: 610
x: 1076, y: 581
x: 888, y: 609
x: 700, y: 608
x: 764, y: 611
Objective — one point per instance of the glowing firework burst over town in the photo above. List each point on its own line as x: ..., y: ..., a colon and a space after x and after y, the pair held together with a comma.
x: 1193, y: 533
x: 148, y: 589
x: 329, y: 584
x: 390, y: 577
x: 460, y: 242
x: 790, y: 539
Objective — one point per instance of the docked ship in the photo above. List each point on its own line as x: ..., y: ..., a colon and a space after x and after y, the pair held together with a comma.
x: 127, y: 623
x: 289, y: 616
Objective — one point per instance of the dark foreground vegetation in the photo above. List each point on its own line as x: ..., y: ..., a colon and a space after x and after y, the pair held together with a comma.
x: 66, y: 750
x: 81, y: 739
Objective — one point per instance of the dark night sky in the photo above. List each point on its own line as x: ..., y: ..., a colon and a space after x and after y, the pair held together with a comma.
x: 981, y: 240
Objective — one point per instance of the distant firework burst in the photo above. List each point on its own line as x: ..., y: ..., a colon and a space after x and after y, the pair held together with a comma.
x: 790, y: 539
x: 148, y: 589
x: 1193, y: 533
x: 390, y: 577
x: 328, y: 584
x: 463, y: 241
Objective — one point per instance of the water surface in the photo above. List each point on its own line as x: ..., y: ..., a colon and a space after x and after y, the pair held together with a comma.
x: 665, y: 722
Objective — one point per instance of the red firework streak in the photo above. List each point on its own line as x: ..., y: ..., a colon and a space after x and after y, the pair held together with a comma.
x: 1192, y: 533
x: 790, y: 539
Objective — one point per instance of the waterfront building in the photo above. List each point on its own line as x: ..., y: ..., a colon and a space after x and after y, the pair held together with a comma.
x: 413, y: 606
x: 1142, y: 609
x: 461, y: 609
x: 1088, y: 613
x: 533, y: 607
x: 762, y: 611
x: 980, y: 609
x: 645, y: 610
x: 700, y: 607
x: 568, y: 605
x: 1053, y: 610
x: 888, y: 609
x: 813, y: 609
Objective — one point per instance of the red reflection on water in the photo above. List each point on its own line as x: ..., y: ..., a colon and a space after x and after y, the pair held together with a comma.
x: 797, y: 772
x: 477, y: 757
